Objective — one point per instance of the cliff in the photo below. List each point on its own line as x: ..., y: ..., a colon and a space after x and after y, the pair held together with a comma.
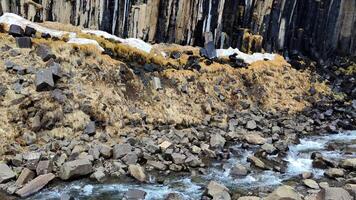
x: 317, y: 29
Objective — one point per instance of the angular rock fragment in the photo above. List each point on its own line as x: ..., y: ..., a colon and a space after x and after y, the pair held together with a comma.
x: 334, y: 193
x: 217, y: 141
x: 25, y: 176
x: 44, y: 167
x: 90, y: 129
x: 24, y: 42
x: 16, y: 31
x: 218, y: 191
x: 284, y: 192
x: 56, y: 71
x: 137, y: 172
x: 157, y: 83
x: 35, y: 185
x: 157, y: 165
x: 120, y: 150
x: 44, y: 80
x: 135, y: 194
x: 80, y: 167
x: 44, y: 52
x: 6, y: 173
x: 30, y: 32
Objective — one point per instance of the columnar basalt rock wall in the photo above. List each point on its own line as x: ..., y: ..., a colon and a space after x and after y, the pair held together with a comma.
x: 316, y: 28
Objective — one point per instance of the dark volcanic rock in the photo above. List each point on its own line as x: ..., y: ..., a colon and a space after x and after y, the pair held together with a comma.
x: 24, y: 42
x: 16, y: 31
x: 44, y: 80
x: 30, y: 32
x: 44, y: 52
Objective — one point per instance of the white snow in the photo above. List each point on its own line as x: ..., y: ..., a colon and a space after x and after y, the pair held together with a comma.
x: 84, y: 41
x: 10, y: 18
x: 133, y: 42
x: 248, y: 58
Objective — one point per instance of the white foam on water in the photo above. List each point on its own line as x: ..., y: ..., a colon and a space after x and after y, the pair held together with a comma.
x: 87, y: 190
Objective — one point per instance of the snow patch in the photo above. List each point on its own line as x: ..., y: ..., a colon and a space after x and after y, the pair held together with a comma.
x: 246, y: 57
x: 84, y: 41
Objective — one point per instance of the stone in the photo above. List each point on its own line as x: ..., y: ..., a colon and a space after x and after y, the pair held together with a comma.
x: 349, y: 164
x: 44, y: 52
x: 239, y: 170
x: 90, y: 128
x: 99, y: 175
x: 30, y: 32
x: 44, y: 80
x: 174, y: 196
x: 56, y: 70
x: 310, y: 183
x: 35, y: 185
x: 24, y: 42
x: 157, y: 83
x: 257, y: 162
x: 120, y: 150
x: 254, y: 138
x: 16, y: 31
x: 80, y: 167
x: 269, y: 148
x: 249, y: 198
x: 20, y: 70
x: 307, y: 175
x: 283, y: 193
x: 196, y: 149
x: 165, y: 145
x: 135, y: 194
x: 44, y: 167
x: 251, y: 125
x: 17, y: 160
x: 137, y: 172
x: 217, y: 141
x: 6, y: 173
x: 105, y: 151
x: 218, y: 191
x: 175, y: 54
x: 29, y: 138
x: 25, y: 176
x: 334, y: 193
x: 15, y: 52
x: 334, y: 173
x: 157, y: 165
x: 130, y: 158
x: 178, y: 158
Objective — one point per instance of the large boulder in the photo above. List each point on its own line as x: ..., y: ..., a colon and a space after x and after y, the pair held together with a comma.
x: 120, y: 150
x: 334, y: 193
x: 284, y: 193
x: 25, y: 176
x: 16, y: 30
x: 255, y: 138
x: 35, y: 185
x: 334, y: 173
x: 45, y: 52
x: 349, y: 163
x: 6, y: 173
x: 216, y: 141
x: 218, y: 191
x: 137, y: 172
x: 44, y: 80
x: 75, y: 168
x: 134, y: 194
x: 24, y: 42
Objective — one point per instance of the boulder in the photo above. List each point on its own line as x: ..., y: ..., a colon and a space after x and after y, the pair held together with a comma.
x: 25, y: 176
x: 257, y: 162
x: 75, y: 168
x: 44, y: 80
x: 99, y: 175
x: 178, y: 158
x: 30, y: 32
x: 217, y: 141
x: 44, y: 52
x: 334, y: 173
x: 254, y: 138
x: 165, y: 145
x: 16, y: 31
x: 239, y: 170
x: 334, y: 193
x: 137, y: 172
x: 218, y: 191
x: 35, y: 185
x: 349, y: 164
x: 269, y: 148
x: 120, y: 150
x: 56, y: 70
x: 105, y: 151
x: 44, y: 167
x: 135, y: 194
x: 90, y: 128
x: 6, y: 173
x: 310, y: 183
x: 157, y: 165
x: 24, y: 42
x: 174, y: 196
x: 283, y: 193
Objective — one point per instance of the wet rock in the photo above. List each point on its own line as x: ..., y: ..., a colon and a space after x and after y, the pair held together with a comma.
x: 135, y: 194
x: 44, y: 80
x: 334, y: 173
x: 6, y: 173
x: 24, y: 42
x: 25, y: 176
x: 80, y: 167
x: 239, y: 170
x: 269, y: 148
x: 137, y: 172
x: 35, y: 185
x: 334, y: 193
x: 349, y: 164
x: 257, y: 162
x: 44, y: 52
x: 218, y: 191
x: 284, y: 192
x: 311, y: 184
x: 90, y: 128
x: 44, y: 167
x: 66, y: 197
x: 157, y: 165
x: 174, y: 196
x: 217, y: 141
x: 120, y: 150
x: 16, y: 31
x: 157, y: 83
x: 30, y: 32
x: 251, y: 125
x: 307, y: 175
x: 254, y: 138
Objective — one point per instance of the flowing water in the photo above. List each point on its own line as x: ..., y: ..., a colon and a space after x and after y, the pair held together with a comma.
x: 298, y: 161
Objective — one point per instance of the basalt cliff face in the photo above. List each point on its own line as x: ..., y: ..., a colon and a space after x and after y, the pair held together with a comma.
x: 317, y: 28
